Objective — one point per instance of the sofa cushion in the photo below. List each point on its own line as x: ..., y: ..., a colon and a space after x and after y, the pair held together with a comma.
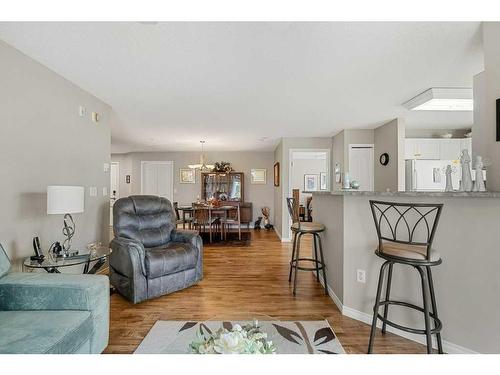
x: 53, y: 332
x: 172, y: 258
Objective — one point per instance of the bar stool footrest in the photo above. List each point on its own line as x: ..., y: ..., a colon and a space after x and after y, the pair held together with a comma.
x: 294, y: 262
x: 437, y: 322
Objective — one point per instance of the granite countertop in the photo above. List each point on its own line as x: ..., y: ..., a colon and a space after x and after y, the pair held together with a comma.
x: 455, y: 194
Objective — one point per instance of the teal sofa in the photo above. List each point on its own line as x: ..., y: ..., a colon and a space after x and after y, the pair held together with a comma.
x: 52, y: 313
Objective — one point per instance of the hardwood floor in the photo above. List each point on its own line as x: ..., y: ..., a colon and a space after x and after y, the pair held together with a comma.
x: 251, y: 279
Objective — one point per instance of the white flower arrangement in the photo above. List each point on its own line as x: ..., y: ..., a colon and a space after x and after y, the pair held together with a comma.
x: 248, y: 339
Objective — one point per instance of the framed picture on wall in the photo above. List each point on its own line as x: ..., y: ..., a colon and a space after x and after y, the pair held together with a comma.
x: 187, y: 176
x: 258, y: 176
x: 322, y: 181
x: 310, y: 182
x: 277, y: 174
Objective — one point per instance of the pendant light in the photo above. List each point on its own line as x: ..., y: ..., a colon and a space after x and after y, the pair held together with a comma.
x: 202, y: 166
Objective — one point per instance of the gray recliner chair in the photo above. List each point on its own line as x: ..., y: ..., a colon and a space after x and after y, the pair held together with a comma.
x: 150, y: 257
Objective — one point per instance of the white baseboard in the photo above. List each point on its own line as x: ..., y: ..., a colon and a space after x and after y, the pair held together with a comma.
x: 448, y: 347
x: 285, y: 239
x: 333, y: 296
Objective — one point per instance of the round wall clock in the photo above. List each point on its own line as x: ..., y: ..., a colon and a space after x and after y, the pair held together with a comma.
x: 384, y: 158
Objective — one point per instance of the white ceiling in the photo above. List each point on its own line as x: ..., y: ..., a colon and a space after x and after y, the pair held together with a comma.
x: 242, y: 86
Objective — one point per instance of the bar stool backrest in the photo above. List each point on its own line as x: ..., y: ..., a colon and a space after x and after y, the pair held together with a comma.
x: 406, y: 223
x: 290, y: 202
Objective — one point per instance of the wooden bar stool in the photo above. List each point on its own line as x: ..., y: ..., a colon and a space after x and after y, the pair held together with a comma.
x: 299, y: 229
x: 405, y: 233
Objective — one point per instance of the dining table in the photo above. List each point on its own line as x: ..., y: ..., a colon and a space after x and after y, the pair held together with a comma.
x: 188, y: 212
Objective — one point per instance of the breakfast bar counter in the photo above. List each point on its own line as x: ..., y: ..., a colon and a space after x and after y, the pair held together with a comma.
x: 467, y: 283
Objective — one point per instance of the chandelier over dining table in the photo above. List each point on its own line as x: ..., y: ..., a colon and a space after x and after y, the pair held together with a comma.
x: 202, y: 166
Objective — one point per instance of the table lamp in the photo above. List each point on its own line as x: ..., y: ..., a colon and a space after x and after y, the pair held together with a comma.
x: 66, y: 200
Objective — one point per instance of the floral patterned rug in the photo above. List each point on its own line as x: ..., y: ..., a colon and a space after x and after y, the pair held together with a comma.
x: 289, y: 337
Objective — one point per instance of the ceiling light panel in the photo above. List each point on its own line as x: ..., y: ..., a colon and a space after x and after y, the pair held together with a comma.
x: 442, y: 99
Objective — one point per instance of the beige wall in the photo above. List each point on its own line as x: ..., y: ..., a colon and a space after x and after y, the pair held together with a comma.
x: 466, y: 283
x: 260, y: 195
x: 486, y: 91
x: 390, y: 138
x: 43, y: 141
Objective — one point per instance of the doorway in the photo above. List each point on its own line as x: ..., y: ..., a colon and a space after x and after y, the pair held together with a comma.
x: 361, y: 165
x: 157, y: 178
x: 309, y: 170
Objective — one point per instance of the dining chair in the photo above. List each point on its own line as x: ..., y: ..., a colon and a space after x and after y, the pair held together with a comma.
x: 202, y: 217
x: 180, y: 220
x: 233, y: 217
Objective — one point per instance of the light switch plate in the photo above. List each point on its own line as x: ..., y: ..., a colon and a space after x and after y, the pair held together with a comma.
x: 93, y: 191
x: 104, y: 191
x: 82, y: 111
x: 95, y: 117
x: 106, y: 167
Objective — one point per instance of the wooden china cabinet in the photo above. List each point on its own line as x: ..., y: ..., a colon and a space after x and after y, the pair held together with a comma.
x: 228, y: 188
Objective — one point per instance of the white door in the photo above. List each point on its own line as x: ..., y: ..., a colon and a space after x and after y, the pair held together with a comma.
x: 361, y: 166
x: 158, y: 178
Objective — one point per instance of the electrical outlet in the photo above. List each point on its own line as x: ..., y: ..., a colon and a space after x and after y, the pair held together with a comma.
x: 361, y: 276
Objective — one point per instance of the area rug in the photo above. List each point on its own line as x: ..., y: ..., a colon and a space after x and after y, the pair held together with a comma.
x: 231, y: 240
x: 290, y: 337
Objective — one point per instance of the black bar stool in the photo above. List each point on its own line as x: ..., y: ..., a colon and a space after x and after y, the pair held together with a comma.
x: 299, y: 229
x: 405, y: 232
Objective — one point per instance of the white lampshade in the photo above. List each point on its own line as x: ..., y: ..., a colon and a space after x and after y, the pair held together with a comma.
x: 65, y: 199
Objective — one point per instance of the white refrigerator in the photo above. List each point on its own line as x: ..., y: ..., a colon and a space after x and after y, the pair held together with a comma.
x: 430, y: 175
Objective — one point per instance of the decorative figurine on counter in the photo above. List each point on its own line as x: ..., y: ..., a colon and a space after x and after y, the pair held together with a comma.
x: 354, y: 184
x: 466, y: 171
x: 449, y: 183
x: 478, y: 167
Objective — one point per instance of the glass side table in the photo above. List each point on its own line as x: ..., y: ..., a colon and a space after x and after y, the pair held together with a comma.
x: 52, y: 264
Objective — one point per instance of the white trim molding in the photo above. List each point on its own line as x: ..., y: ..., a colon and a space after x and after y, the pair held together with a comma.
x: 284, y: 239
x: 448, y: 347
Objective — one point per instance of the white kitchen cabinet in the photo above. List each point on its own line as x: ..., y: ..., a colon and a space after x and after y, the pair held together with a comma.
x: 450, y: 149
x: 416, y: 148
x: 410, y: 148
x: 436, y: 148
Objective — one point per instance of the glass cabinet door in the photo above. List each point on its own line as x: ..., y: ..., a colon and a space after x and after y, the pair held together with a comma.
x: 235, y: 187
x: 222, y: 186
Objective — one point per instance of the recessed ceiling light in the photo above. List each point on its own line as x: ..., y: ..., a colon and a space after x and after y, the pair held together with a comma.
x: 442, y: 99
